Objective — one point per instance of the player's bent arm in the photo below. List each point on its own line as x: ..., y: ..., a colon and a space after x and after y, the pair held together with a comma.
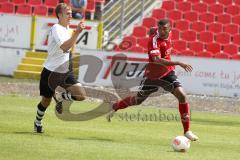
x: 166, y: 62
x: 69, y: 43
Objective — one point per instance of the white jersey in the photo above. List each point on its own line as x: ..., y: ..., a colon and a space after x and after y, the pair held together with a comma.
x: 57, y: 60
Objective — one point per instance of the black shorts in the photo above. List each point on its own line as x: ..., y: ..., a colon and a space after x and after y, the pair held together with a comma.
x: 50, y: 80
x: 168, y: 83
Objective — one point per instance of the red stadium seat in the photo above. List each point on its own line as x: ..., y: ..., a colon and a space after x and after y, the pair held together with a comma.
x: 236, y: 39
x: 149, y: 22
x: 196, y: 46
x: 215, y: 27
x: 184, y: 6
x: 193, y: 1
x: 236, y: 57
x: 175, y: 15
x: 213, y: 47
x: 179, y: 45
x: 130, y: 41
x: 168, y: 5
x: 4, y: 1
x: 207, y: 17
x: 91, y: 5
x: 231, y: 28
x: 18, y: 1
x: 24, y: 9
x: 139, y: 31
x: 189, y: 35
x: 175, y: 34
x: 91, y: 8
x: 230, y: 49
x: 200, y: 7
x: 223, y: 38
x: 224, y: 18
x: 216, y: 8
x: 191, y: 16
x: 158, y: 13
x: 35, y: 2
x: 225, y: 2
x: 233, y: 10
x: 40, y: 10
x: 51, y: 3
x: 206, y: 37
x: 182, y: 25
x: 187, y: 53
x: 198, y: 26
x: 236, y: 20
x: 209, y: 1
x: 205, y: 54
x: 222, y: 56
x: 143, y: 42
x: 237, y: 2
x: 7, y: 8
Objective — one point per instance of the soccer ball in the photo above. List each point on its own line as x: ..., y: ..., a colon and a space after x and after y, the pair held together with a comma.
x: 181, y: 144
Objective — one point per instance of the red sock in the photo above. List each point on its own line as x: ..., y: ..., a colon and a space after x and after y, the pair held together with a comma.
x: 124, y: 103
x: 185, y: 116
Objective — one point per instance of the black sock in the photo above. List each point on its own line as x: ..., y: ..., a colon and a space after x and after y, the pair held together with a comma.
x: 40, y: 113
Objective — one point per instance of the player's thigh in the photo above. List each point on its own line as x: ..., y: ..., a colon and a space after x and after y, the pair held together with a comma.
x: 146, y: 88
x: 170, y: 82
x: 45, y: 89
x: 77, y: 91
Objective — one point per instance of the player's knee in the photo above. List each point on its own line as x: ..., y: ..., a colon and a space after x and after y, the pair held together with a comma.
x: 182, y: 98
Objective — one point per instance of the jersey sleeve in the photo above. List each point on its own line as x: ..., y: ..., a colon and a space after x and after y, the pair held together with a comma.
x: 153, y: 50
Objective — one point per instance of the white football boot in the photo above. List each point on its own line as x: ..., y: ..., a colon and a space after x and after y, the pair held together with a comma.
x: 191, y: 136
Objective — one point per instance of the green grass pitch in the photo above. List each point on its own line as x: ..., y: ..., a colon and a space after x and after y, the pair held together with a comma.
x: 121, y: 139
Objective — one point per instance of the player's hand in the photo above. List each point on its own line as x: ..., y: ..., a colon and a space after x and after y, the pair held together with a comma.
x: 81, y: 26
x: 186, y: 67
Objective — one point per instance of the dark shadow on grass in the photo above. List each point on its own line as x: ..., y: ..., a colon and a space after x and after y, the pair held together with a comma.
x: 31, y: 133
x: 90, y: 139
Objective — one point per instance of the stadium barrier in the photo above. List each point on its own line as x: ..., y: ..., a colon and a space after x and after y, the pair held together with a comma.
x: 214, y: 77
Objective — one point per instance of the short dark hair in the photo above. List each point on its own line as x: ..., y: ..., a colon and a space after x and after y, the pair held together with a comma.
x: 60, y: 7
x: 163, y: 22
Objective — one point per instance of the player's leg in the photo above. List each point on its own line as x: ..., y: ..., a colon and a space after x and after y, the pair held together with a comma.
x: 46, y: 94
x: 146, y: 88
x: 69, y: 90
x: 184, y: 112
x: 77, y: 92
x: 41, y: 108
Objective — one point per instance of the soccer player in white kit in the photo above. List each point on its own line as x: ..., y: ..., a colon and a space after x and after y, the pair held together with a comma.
x: 56, y: 71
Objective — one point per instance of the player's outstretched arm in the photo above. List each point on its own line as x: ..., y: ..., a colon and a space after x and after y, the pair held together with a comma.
x: 69, y: 43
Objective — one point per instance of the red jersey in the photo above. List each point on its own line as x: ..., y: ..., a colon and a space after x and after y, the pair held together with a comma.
x: 162, y: 48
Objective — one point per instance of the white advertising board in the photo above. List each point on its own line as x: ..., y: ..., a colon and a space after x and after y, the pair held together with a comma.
x: 15, y: 31
x: 9, y: 60
x: 88, y: 39
x: 210, y: 76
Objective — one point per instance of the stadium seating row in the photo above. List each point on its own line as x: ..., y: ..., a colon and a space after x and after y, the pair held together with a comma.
x: 39, y: 7
x: 192, y: 16
x: 206, y: 28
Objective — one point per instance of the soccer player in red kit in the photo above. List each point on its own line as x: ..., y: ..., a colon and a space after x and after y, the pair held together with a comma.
x: 160, y: 73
